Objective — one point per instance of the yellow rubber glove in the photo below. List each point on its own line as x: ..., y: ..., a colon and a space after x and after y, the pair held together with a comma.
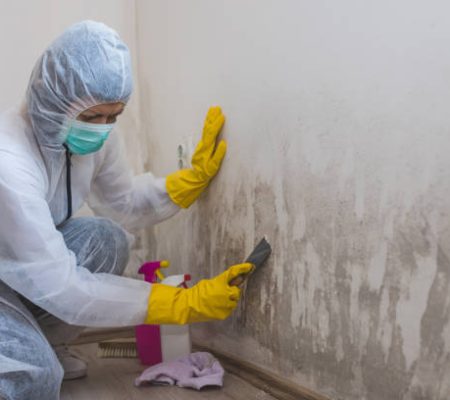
x: 185, y: 185
x: 209, y: 299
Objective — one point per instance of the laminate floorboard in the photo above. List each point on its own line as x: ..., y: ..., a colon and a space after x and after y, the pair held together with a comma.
x: 113, y: 379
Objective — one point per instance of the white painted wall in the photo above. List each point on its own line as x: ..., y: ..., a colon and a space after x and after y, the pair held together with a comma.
x: 338, y: 150
x: 27, y: 27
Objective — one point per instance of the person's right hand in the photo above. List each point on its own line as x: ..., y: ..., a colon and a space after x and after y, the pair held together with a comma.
x: 184, y: 186
x: 209, y: 299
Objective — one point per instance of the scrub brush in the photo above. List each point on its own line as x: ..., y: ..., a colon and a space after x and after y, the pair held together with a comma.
x: 117, y: 349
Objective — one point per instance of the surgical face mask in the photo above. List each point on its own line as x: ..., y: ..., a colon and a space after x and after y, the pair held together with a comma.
x: 84, y: 138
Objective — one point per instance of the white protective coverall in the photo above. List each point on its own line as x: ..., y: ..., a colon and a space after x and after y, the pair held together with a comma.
x: 86, y: 66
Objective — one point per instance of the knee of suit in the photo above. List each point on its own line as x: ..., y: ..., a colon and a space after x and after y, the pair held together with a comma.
x: 99, y: 244
x: 114, y: 240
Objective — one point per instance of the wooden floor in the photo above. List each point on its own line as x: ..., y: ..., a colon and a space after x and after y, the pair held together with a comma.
x: 113, y: 379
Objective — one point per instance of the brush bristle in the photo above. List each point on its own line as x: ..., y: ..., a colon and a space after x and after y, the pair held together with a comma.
x: 117, y: 350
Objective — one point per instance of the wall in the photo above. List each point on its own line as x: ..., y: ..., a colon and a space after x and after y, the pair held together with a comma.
x: 337, y: 132
x: 338, y: 151
x: 28, y: 27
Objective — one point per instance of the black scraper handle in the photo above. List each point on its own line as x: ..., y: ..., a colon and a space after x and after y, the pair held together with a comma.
x: 258, y: 257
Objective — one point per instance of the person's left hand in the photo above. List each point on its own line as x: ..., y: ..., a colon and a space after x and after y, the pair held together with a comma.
x: 184, y: 186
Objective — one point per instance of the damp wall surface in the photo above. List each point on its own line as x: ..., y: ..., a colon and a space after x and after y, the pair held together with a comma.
x: 338, y: 127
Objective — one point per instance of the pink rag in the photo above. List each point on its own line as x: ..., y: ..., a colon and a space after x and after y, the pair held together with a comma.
x: 196, y: 370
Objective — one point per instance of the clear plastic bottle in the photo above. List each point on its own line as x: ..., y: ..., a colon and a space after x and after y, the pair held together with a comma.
x: 175, y: 339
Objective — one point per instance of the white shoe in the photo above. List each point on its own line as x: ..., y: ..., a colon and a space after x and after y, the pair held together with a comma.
x: 74, y: 367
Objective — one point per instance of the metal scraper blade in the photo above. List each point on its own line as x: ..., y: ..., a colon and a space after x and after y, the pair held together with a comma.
x: 260, y: 253
x: 258, y: 257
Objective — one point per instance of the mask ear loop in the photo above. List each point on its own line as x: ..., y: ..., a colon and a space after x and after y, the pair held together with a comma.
x: 68, y: 182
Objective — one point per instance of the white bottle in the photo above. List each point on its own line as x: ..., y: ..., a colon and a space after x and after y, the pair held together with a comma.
x: 175, y: 339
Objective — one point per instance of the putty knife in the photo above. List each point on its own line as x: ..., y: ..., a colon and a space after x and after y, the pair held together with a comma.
x: 258, y: 257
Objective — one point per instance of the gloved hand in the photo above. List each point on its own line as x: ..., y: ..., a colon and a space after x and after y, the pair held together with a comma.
x: 184, y: 186
x: 209, y: 299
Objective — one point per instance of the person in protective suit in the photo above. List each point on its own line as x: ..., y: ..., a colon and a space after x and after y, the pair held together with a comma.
x: 60, y: 273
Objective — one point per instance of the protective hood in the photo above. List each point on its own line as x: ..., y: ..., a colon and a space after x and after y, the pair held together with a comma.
x: 86, y: 66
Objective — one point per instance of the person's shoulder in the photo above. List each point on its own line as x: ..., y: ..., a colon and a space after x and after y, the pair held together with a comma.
x: 17, y: 155
x: 18, y: 173
x: 13, y: 129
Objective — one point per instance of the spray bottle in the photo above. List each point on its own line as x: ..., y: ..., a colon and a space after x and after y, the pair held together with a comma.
x: 158, y: 343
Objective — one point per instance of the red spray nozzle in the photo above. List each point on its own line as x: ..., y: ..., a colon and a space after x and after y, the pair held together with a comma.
x: 187, y: 278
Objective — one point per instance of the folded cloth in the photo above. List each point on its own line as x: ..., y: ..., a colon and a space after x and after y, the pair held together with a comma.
x: 194, y: 371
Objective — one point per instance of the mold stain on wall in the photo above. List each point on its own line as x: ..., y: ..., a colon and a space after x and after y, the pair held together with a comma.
x: 354, y: 302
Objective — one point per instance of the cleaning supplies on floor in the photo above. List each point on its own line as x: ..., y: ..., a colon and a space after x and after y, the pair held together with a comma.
x: 195, y: 370
x: 158, y: 343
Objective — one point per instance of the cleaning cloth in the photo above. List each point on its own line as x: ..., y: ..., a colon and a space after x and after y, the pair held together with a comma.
x: 196, y: 370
